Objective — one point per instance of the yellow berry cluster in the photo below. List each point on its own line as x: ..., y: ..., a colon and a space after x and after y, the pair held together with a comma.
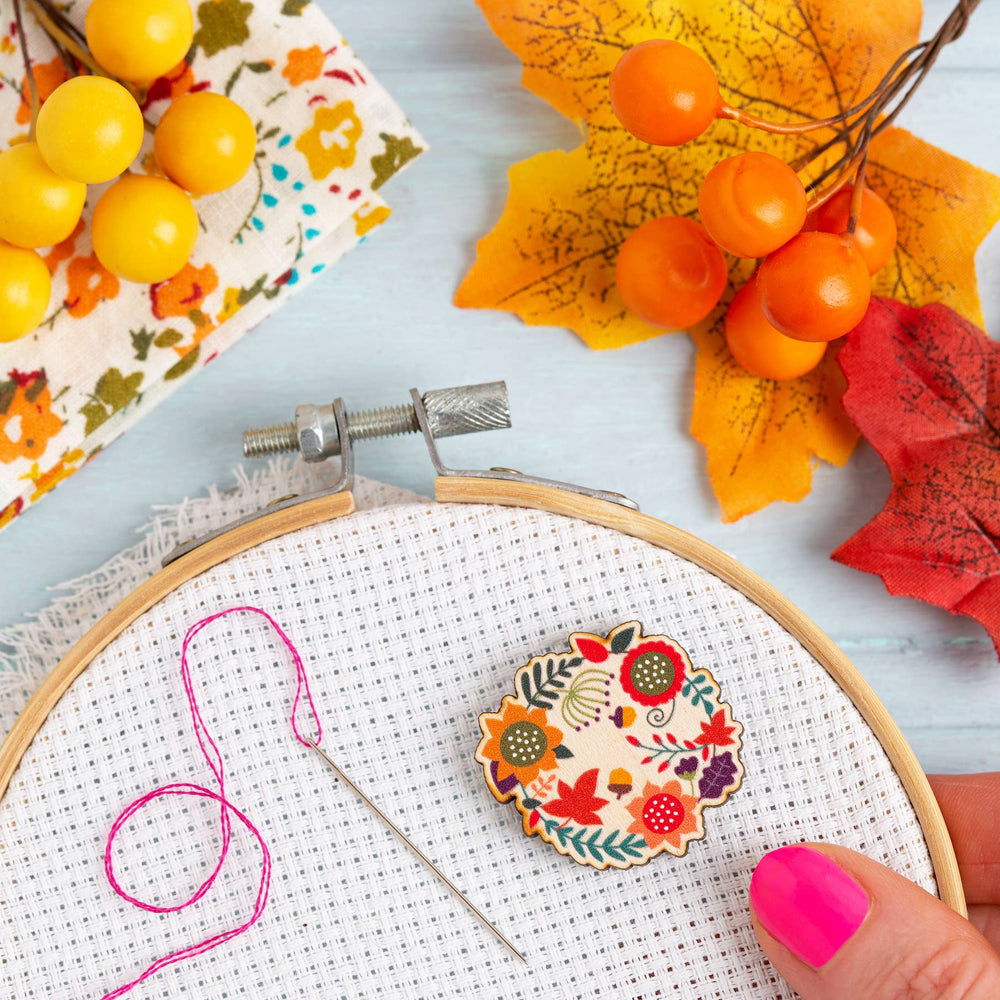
x: 89, y: 131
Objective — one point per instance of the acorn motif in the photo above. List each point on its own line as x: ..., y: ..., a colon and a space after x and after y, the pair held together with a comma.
x: 620, y: 782
x: 623, y: 717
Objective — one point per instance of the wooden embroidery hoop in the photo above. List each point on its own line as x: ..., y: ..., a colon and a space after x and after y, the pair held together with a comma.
x: 471, y: 490
x: 486, y: 407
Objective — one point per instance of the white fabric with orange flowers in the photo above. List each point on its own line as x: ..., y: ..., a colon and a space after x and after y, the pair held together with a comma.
x: 329, y: 136
x: 411, y: 619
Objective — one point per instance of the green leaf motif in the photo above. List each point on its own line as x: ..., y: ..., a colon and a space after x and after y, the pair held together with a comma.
x: 8, y: 390
x: 222, y: 24
x: 562, y: 751
x: 246, y: 294
x: 294, y: 8
x: 597, y: 845
x: 117, y: 390
x: 37, y: 387
x: 141, y: 342
x: 620, y: 642
x: 547, y: 683
x: 112, y: 392
x: 168, y: 338
x: 184, y: 365
x: 699, y: 693
x: 398, y: 152
x: 96, y: 413
x: 254, y: 67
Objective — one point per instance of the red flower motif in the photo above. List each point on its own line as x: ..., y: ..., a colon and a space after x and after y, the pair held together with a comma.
x: 653, y: 672
x: 716, y: 732
x: 578, y: 803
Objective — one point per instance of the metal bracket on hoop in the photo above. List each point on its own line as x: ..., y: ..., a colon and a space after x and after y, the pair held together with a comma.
x: 345, y: 481
x: 509, y: 475
x: 320, y: 432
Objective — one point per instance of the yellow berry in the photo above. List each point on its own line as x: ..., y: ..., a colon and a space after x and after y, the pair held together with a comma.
x: 139, y: 40
x: 90, y: 129
x: 25, y: 286
x: 38, y: 208
x: 205, y: 142
x: 144, y: 229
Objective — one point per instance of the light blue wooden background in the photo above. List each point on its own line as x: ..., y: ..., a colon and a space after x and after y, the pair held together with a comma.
x: 382, y: 322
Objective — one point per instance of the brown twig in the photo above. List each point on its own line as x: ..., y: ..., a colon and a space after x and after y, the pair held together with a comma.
x: 899, y: 85
x: 856, y: 196
x: 62, y: 20
x: 858, y: 125
x: 29, y: 73
x: 61, y: 37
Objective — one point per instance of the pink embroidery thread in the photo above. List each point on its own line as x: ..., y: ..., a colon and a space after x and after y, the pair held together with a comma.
x: 213, y: 757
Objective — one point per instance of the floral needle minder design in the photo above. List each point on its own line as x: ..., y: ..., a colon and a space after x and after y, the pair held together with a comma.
x: 416, y: 850
x: 613, y: 749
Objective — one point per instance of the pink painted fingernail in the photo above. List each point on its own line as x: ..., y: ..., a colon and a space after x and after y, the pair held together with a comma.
x: 806, y: 902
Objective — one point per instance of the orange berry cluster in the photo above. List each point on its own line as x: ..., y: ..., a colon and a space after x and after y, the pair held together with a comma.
x: 813, y: 284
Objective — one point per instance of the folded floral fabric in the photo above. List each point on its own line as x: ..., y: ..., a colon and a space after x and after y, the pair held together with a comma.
x: 329, y: 136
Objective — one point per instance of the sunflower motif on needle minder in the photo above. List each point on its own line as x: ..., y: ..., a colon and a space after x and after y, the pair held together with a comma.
x: 613, y: 749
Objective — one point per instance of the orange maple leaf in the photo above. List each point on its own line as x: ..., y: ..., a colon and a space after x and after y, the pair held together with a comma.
x: 550, y: 258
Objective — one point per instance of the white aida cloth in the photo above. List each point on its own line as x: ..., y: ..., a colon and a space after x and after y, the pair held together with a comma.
x: 411, y: 620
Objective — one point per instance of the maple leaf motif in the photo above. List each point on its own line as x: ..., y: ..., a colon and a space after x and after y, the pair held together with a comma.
x: 924, y: 389
x: 578, y: 803
x: 716, y: 732
x: 550, y: 259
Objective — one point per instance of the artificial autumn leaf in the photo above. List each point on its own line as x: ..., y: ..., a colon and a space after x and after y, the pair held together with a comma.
x: 578, y: 802
x: 923, y: 386
x: 550, y: 259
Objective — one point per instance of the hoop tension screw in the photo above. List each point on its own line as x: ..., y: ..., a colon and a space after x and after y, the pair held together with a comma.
x: 462, y: 409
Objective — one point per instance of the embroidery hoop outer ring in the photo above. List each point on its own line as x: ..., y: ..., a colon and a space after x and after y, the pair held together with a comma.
x: 471, y: 490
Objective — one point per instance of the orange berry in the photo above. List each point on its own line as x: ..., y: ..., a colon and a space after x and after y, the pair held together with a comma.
x: 664, y: 93
x: 875, y: 234
x: 816, y: 287
x: 670, y: 273
x: 760, y: 348
x: 751, y: 204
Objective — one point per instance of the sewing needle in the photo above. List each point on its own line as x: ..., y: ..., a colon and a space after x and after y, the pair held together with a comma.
x: 416, y: 850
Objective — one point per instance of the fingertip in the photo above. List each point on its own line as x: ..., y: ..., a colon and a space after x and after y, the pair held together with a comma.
x: 835, y: 924
x: 807, y: 902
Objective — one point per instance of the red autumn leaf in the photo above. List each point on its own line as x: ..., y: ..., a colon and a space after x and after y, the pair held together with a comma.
x: 924, y: 389
x: 578, y: 803
x: 715, y: 733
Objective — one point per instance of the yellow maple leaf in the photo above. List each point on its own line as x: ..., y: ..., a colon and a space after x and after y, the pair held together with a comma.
x: 550, y: 259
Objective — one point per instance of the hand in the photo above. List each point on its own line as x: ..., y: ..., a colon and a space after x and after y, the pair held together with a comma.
x: 838, y: 926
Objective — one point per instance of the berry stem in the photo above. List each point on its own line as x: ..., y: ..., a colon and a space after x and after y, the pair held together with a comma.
x: 856, y: 195
x: 63, y: 39
x: 812, y: 124
x: 62, y: 20
x: 71, y: 45
x: 29, y: 73
x: 899, y: 86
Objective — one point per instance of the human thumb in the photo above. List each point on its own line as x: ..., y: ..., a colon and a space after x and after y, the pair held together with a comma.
x: 836, y: 925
